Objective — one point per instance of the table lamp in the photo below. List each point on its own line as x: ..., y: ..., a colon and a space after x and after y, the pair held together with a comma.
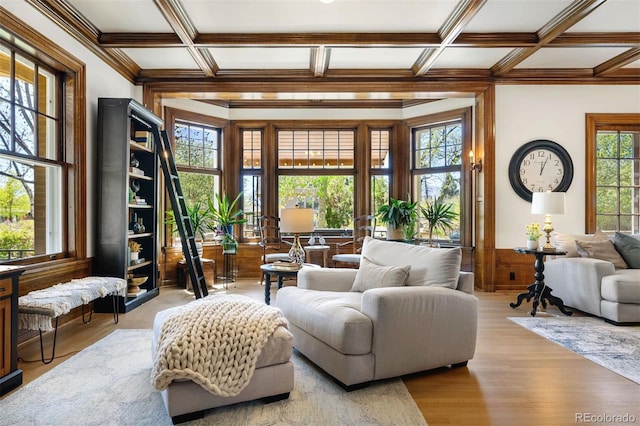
x: 547, y: 203
x: 296, y: 221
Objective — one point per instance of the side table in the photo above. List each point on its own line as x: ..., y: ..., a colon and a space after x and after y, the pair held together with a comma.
x: 321, y: 248
x: 538, y: 290
x: 268, y: 270
x: 183, y: 275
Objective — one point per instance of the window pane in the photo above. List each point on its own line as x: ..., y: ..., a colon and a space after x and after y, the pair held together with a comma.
x: 444, y: 188
x: 197, y: 146
x: 607, y: 145
x: 606, y: 172
x: 607, y: 200
x: 251, y: 193
x: 379, y: 192
x: 5, y: 126
x: 25, y: 132
x: 47, y: 93
x: 30, y: 209
x: 617, y: 181
x: 24, y: 83
x: 380, y: 149
x: 331, y: 197
x: 308, y: 149
x: 251, y: 149
x: 198, y: 186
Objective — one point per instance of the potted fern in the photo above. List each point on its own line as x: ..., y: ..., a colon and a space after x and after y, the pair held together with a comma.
x: 400, y: 217
x: 440, y: 216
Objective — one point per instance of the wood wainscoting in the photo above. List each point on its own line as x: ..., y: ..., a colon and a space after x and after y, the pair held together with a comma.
x: 514, y: 271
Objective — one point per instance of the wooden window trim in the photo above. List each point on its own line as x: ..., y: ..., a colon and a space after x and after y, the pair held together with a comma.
x: 73, y: 134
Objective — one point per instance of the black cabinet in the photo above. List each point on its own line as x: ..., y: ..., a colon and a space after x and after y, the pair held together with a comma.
x: 127, y: 199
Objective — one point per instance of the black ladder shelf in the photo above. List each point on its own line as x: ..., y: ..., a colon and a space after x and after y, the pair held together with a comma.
x: 181, y: 215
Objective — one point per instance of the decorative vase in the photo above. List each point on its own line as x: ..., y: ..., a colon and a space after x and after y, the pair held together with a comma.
x: 134, y: 255
x: 532, y: 244
x: 395, y: 234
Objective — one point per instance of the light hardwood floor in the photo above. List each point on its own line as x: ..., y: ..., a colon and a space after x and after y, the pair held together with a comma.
x: 515, y: 378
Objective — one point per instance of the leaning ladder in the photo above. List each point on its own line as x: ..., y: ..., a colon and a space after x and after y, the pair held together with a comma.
x: 181, y: 214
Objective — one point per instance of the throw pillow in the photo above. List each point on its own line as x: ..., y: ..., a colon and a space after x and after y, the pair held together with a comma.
x: 603, y: 250
x: 439, y: 267
x: 371, y: 275
x: 629, y: 247
x: 567, y: 242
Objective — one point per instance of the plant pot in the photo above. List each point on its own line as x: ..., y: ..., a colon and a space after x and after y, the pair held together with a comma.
x: 134, y: 255
x: 532, y: 244
x: 396, y: 234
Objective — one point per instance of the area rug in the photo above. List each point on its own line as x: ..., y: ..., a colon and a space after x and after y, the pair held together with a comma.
x: 108, y: 384
x: 616, y: 348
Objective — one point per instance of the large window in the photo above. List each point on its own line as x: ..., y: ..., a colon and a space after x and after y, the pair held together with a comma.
x: 438, y: 147
x: 380, y: 167
x: 32, y: 204
x: 252, y: 180
x: 316, y: 170
x: 616, y: 159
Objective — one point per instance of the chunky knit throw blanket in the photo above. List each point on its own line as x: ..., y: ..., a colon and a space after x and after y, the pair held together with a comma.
x: 215, y: 342
x: 38, y: 307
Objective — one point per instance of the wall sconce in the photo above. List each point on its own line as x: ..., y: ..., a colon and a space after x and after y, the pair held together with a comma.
x: 475, y: 165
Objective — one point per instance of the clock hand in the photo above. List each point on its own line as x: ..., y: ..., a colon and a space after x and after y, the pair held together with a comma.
x: 543, y: 164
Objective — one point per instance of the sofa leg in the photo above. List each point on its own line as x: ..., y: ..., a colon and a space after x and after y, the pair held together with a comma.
x: 188, y: 417
x: 460, y: 364
x: 620, y: 324
x: 275, y: 398
x: 351, y: 388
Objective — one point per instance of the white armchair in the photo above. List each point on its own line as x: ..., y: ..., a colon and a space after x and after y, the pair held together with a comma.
x: 385, y: 332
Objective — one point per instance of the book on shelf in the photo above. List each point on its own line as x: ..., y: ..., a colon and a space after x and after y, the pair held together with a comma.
x: 142, y: 136
x: 136, y: 171
x: 137, y: 261
x: 138, y: 200
x: 284, y: 265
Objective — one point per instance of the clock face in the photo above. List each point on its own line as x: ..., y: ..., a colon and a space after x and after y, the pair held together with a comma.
x: 539, y: 166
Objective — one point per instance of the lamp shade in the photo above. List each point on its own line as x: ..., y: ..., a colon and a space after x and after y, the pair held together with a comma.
x: 547, y: 203
x: 296, y: 220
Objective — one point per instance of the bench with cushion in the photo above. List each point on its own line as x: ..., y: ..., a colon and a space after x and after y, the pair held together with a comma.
x: 41, y: 309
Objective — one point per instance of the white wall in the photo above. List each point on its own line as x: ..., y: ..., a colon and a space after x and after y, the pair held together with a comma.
x: 102, y: 81
x: 525, y: 113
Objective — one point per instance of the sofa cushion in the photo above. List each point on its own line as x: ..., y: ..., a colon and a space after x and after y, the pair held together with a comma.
x: 629, y: 248
x: 603, y: 250
x: 371, y: 275
x: 438, y: 267
x: 567, y: 242
x: 622, y: 287
x: 333, y: 317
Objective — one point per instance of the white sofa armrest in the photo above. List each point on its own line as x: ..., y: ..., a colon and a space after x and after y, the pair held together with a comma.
x: 327, y: 279
x: 466, y: 282
x: 438, y: 323
x: 577, y: 281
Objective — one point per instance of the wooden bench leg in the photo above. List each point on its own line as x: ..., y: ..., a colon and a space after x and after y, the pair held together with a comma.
x: 53, y: 350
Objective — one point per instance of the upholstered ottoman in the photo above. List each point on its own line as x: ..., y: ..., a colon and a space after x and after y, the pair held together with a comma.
x: 272, y: 379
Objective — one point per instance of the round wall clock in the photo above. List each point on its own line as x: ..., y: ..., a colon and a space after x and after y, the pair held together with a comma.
x: 538, y: 166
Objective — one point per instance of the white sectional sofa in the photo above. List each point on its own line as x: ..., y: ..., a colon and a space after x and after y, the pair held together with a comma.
x: 596, y: 283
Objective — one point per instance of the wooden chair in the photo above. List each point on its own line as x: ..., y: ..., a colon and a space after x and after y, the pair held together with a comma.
x: 349, y: 252
x: 273, y: 247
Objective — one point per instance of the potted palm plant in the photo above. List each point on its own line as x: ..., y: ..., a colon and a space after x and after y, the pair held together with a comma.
x: 439, y: 216
x: 400, y: 217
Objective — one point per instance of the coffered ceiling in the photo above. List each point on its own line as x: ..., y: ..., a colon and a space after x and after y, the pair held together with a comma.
x: 348, y: 42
